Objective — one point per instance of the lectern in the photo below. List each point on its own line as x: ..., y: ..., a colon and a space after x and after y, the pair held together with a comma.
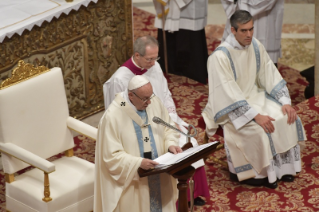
x: 182, y: 171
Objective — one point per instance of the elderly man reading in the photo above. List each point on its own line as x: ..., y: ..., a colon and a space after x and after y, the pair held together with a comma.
x: 144, y: 62
x: 128, y: 139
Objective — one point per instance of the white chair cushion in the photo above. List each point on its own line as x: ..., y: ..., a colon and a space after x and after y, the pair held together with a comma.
x: 71, y: 183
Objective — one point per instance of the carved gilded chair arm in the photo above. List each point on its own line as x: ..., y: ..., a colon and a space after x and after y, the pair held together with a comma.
x: 27, y: 157
x: 82, y: 128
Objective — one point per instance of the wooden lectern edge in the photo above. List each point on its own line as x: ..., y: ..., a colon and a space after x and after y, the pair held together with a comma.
x: 187, y: 146
x: 171, y: 169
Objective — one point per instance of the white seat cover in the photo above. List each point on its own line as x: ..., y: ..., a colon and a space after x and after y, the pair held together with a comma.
x: 68, y: 185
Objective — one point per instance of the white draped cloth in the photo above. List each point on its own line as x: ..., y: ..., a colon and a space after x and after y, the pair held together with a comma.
x: 119, y: 81
x: 118, y: 186
x: 243, y: 82
x: 19, y: 15
x: 181, y: 14
x: 268, y: 19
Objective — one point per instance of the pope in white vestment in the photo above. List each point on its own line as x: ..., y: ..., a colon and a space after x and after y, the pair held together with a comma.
x: 153, y: 72
x: 125, y: 136
x: 119, y: 81
x: 268, y: 19
x: 244, y: 83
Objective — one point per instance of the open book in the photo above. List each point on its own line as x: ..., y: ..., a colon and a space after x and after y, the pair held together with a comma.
x: 169, y: 158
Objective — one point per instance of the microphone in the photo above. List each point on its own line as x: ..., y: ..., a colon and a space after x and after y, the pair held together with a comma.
x: 160, y: 121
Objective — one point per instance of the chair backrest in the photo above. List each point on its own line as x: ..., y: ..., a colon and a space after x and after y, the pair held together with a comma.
x: 33, y: 116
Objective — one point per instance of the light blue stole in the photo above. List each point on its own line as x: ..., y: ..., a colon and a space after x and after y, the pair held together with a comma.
x: 154, y: 182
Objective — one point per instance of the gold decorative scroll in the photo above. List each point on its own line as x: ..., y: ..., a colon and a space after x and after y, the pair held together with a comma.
x: 23, y: 72
x: 88, y: 45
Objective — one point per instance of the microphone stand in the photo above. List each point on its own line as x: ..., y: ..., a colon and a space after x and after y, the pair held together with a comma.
x: 191, y: 181
x: 160, y: 121
x: 185, y: 147
x: 188, y: 143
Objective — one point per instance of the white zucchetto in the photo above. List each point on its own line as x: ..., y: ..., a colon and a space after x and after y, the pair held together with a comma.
x: 137, y: 82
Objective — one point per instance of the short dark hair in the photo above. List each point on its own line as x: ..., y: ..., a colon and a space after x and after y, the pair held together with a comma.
x: 140, y: 44
x: 240, y: 17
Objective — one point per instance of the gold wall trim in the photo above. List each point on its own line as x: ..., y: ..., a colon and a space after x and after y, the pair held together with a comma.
x: 88, y: 45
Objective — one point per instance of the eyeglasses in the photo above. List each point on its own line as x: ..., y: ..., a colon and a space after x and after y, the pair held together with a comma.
x: 146, y: 99
x: 152, y: 59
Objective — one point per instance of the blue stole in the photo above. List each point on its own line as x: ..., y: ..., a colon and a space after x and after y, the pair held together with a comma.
x: 154, y: 182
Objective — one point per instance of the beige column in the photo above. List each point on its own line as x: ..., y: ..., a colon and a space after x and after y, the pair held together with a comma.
x: 316, y: 47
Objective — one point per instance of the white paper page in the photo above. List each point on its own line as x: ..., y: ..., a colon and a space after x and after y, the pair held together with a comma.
x: 169, y: 158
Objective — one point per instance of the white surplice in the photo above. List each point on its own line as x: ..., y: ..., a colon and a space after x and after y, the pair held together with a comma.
x: 243, y: 82
x: 117, y: 158
x: 268, y: 19
x: 119, y: 82
x: 181, y: 14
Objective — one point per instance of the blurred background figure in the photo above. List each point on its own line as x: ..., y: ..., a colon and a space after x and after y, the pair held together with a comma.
x: 268, y: 19
x: 184, y: 29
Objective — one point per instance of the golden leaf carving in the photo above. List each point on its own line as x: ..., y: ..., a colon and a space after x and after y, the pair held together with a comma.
x: 23, y: 72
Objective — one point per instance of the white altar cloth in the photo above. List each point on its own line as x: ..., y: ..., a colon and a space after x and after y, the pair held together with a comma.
x: 19, y: 15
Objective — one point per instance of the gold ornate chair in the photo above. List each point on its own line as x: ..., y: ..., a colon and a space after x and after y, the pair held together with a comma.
x: 35, y: 125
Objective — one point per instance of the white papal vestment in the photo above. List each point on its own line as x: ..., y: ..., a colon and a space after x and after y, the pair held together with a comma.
x: 119, y: 81
x: 117, y: 184
x: 243, y: 82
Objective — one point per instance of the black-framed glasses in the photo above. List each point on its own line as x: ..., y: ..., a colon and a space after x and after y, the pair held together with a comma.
x: 145, y: 99
x: 151, y: 59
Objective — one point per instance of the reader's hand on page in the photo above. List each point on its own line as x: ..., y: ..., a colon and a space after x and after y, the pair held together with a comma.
x: 175, y: 149
x: 148, y: 164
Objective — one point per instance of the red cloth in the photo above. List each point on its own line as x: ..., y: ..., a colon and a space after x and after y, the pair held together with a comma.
x: 200, y: 184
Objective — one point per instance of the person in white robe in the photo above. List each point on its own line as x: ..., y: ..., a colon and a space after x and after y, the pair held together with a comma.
x: 268, y: 20
x: 128, y: 140
x: 250, y: 100
x: 143, y: 62
x: 181, y: 14
x: 183, y: 23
